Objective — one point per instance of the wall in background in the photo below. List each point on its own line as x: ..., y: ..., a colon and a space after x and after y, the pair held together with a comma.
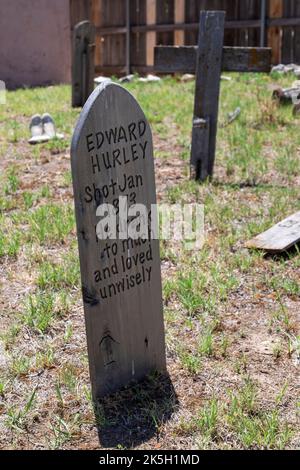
x: 35, y: 42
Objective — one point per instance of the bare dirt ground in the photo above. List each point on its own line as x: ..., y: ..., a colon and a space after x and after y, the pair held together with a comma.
x: 247, y: 373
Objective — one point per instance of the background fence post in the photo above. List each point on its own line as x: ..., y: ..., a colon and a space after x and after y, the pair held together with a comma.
x: 128, y: 64
x: 274, y: 33
x: 263, y: 23
x: 151, y: 35
x: 179, y: 17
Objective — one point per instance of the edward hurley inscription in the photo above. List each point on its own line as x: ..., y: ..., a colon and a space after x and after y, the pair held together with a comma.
x: 112, y: 164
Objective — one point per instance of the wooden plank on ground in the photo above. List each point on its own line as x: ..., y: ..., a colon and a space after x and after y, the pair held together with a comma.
x: 279, y: 238
x: 170, y: 59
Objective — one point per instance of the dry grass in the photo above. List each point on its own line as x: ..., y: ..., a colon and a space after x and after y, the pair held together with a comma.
x: 232, y: 316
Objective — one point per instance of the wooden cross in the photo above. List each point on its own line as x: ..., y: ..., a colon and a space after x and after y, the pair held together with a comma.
x: 208, y: 59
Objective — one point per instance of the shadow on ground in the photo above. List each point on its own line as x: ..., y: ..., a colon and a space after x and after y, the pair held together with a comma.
x: 287, y: 255
x: 135, y: 415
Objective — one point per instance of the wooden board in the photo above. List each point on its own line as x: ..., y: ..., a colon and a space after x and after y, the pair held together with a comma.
x: 112, y: 156
x: 274, y: 33
x: 207, y: 90
x: 97, y: 14
x: 80, y: 10
x: 170, y: 59
x: 151, y: 35
x: 279, y: 238
x: 179, y: 17
x: 83, y: 67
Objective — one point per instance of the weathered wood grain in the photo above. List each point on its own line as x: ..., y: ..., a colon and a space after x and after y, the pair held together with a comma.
x: 200, y: 149
x: 208, y: 73
x: 183, y: 59
x: 179, y: 16
x: 83, y: 66
x: 279, y: 238
x: 151, y: 35
x: 208, y: 59
x: 276, y: 10
x: 122, y: 305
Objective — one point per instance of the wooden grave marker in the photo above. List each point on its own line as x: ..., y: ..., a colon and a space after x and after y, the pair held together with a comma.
x: 207, y: 60
x: 83, y: 66
x: 112, y: 156
x: 279, y: 238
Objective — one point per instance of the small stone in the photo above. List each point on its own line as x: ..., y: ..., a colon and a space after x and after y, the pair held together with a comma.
x: 225, y: 78
x: 187, y: 77
x: 149, y: 79
x: 99, y: 80
x: 126, y: 79
x: 278, y: 69
x: 297, y: 72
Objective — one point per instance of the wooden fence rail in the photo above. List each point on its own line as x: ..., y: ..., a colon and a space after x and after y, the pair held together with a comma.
x: 128, y: 30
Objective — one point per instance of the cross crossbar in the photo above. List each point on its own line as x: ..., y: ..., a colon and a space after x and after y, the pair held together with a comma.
x: 207, y: 60
x: 183, y: 59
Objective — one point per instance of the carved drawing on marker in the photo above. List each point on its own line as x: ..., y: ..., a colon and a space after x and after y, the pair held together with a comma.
x: 108, y: 348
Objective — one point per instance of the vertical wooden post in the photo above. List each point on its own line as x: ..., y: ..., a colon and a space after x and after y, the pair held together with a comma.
x: 97, y: 20
x: 151, y: 35
x: 128, y: 37
x: 83, y: 67
x: 208, y: 74
x: 274, y: 33
x: 263, y: 23
x: 297, y: 35
x: 288, y: 35
x: 179, y: 18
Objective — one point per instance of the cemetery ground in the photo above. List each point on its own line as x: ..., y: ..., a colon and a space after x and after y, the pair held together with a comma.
x: 232, y: 315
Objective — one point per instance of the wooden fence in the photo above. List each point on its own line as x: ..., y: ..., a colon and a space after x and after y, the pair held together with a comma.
x: 128, y: 30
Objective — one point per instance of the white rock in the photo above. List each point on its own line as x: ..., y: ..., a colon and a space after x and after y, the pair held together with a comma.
x: 289, y: 68
x: 297, y: 72
x: 187, y: 77
x: 227, y: 79
x: 150, y: 78
x: 99, y: 80
x: 127, y: 79
x: 153, y: 78
x: 278, y: 68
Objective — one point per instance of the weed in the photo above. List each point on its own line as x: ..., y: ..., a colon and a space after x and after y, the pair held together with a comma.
x: 13, y: 182
x: 39, y: 311
x: 50, y: 223
x: 207, y: 420
x: 191, y: 362
x: 17, y: 418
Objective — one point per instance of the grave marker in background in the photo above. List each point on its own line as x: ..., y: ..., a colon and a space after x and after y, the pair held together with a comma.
x: 208, y: 60
x: 279, y: 238
x: 83, y: 63
x: 112, y: 156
